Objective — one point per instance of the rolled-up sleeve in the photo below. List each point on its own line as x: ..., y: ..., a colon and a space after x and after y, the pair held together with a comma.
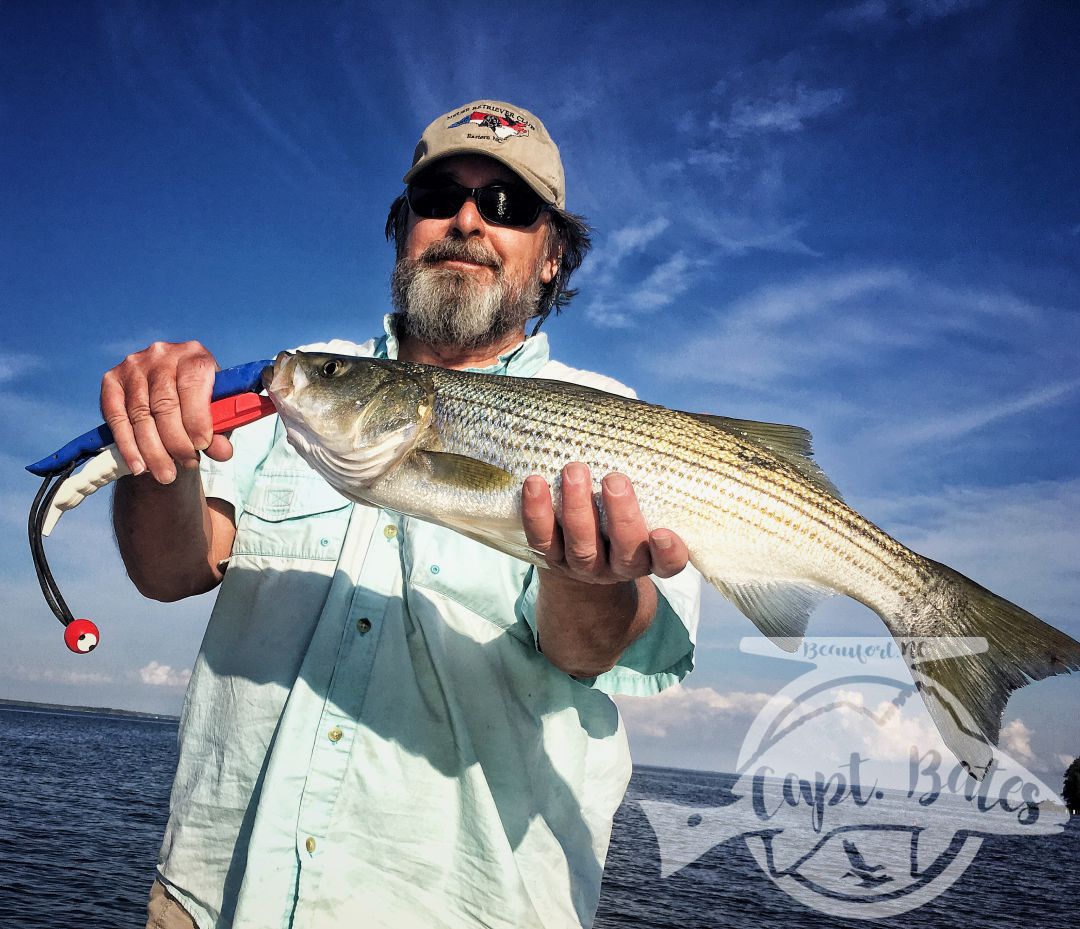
x: 661, y: 657
x: 232, y: 480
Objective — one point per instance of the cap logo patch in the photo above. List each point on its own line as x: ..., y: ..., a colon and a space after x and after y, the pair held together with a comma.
x: 502, y: 127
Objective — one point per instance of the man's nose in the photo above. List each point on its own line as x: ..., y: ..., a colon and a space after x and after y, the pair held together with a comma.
x: 468, y: 221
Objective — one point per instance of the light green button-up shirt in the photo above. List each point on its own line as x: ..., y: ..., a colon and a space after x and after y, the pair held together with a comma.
x: 371, y: 737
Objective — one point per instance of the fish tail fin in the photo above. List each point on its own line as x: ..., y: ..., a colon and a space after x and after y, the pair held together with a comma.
x: 965, y: 685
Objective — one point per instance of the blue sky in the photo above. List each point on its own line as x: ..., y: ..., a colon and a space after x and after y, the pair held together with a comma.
x: 862, y: 218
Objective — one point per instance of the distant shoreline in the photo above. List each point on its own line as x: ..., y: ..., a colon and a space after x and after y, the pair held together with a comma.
x: 85, y: 710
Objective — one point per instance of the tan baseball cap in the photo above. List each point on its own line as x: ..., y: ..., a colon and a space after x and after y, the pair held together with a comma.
x: 501, y: 131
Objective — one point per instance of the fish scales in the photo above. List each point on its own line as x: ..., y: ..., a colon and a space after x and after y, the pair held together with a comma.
x: 761, y: 522
x: 694, y: 451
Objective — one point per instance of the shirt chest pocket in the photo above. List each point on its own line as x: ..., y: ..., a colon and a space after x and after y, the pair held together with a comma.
x: 292, y: 514
x: 487, y: 583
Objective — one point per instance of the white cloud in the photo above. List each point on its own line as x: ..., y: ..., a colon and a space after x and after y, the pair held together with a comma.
x: 896, y: 731
x: 619, y: 292
x: 54, y: 675
x: 629, y: 239
x: 1016, y: 740
x: 14, y: 365
x: 787, y: 110
x: 905, y: 344
x: 740, y: 142
x: 891, y: 12
x: 161, y: 675
x: 870, y: 11
x: 663, y: 285
x: 741, y: 234
x: 920, y: 11
x: 714, y: 161
x: 206, y: 66
x: 961, y: 421
x: 686, y: 712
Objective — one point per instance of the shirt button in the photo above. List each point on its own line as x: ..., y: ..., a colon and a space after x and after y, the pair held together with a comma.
x: 389, y: 531
x: 335, y: 734
x: 434, y: 569
x: 363, y: 625
x: 309, y: 844
x: 324, y: 542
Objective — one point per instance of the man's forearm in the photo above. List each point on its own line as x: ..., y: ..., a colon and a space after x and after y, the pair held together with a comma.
x: 584, y: 628
x: 170, y: 539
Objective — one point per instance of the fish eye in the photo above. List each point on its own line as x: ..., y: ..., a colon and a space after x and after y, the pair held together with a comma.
x: 332, y: 368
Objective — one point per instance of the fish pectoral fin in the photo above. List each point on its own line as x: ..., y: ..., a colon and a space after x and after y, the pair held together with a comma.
x: 502, y: 536
x: 780, y: 609
x: 462, y: 471
x: 791, y: 444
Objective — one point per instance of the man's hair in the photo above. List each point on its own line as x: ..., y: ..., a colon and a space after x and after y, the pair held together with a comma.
x: 573, y: 239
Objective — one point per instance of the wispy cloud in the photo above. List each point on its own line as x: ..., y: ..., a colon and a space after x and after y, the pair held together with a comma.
x: 52, y: 675
x: 741, y: 141
x: 738, y: 235
x: 961, y: 422
x: 786, y: 110
x: 156, y: 674
x: 14, y: 365
x: 891, y: 12
x: 903, y: 379
x: 878, y: 322
x: 52, y: 420
x: 209, y: 66
x: 619, y: 291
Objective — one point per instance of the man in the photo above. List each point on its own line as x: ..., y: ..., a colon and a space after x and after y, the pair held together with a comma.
x: 389, y: 724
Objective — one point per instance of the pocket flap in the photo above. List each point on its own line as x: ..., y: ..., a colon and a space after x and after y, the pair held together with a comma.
x: 282, y: 495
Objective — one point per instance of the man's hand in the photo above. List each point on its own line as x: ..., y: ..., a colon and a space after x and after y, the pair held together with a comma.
x: 157, y: 403
x: 575, y: 546
x: 595, y: 598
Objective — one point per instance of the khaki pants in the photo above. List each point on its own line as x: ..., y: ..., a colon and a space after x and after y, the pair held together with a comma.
x: 164, y: 912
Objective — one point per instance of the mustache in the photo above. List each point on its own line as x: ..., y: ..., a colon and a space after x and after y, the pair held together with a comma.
x: 460, y: 250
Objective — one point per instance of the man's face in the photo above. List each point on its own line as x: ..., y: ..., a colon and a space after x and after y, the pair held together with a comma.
x: 466, y: 282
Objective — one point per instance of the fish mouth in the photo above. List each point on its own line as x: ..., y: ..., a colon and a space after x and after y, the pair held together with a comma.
x: 279, y: 379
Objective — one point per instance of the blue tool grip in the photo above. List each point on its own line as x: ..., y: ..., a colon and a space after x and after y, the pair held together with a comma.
x: 227, y: 383
x: 239, y: 380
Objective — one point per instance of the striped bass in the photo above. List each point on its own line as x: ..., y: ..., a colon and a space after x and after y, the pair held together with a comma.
x: 762, y: 522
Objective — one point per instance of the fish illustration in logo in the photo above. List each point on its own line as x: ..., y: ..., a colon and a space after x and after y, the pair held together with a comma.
x: 501, y: 127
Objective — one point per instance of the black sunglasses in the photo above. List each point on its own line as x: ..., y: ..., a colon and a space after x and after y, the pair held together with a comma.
x: 502, y: 204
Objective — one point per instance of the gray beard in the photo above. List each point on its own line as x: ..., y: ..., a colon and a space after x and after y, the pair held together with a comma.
x: 449, y: 308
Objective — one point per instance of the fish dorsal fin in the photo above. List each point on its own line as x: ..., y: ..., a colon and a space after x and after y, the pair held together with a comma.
x: 780, y: 609
x: 462, y: 471
x: 791, y: 444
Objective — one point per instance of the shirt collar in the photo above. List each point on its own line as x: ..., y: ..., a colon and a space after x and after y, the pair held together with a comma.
x: 523, y: 360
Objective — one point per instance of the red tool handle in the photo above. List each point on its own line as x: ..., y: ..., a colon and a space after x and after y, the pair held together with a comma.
x: 239, y: 409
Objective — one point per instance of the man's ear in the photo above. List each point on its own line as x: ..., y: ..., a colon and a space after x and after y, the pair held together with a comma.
x: 551, y: 262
